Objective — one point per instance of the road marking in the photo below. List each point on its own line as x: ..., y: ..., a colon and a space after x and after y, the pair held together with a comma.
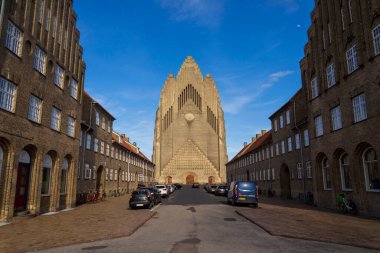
x: 155, y: 207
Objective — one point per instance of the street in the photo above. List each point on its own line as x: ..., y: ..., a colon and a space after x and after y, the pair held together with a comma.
x: 191, y: 220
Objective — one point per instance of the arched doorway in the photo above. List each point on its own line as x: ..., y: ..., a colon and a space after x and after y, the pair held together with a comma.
x: 285, y: 182
x: 47, y: 171
x: 64, y: 170
x: 99, y: 179
x: 22, y: 185
x: 210, y: 179
x: 190, y: 179
x: 169, y: 180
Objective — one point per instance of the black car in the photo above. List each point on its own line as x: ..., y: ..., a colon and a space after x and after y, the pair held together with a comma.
x: 178, y: 186
x: 154, y: 193
x: 141, y: 198
x: 195, y: 185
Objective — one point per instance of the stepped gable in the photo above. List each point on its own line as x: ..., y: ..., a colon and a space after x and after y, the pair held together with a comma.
x: 191, y: 67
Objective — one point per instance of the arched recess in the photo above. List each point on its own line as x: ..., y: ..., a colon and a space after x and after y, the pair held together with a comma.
x: 67, y: 197
x: 211, y: 179
x: 47, y: 182
x: 169, y: 180
x: 285, y: 181
x: 341, y: 166
x: 100, y: 179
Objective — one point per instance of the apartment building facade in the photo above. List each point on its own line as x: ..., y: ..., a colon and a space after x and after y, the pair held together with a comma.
x: 341, y: 74
x: 41, y: 84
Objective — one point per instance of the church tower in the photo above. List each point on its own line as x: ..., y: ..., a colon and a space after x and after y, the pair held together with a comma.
x: 189, y: 137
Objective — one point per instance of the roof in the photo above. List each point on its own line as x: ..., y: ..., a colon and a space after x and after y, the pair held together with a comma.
x: 122, y: 141
x: 99, y: 105
x: 252, y: 146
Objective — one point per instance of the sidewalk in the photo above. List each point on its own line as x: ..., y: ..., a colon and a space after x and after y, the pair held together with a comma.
x: 296, y: 220
x: 90, y: 222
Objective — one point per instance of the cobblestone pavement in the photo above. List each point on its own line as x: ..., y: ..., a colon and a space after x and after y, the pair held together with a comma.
x: 293, y: 219
x: 85, y: 223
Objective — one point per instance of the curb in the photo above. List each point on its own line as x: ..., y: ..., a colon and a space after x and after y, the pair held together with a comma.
x: 304, y: 238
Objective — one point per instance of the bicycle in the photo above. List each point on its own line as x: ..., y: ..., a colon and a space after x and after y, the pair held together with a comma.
x: 346, y: 205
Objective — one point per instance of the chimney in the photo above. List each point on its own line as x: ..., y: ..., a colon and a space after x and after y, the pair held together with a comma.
x: 263, y: 132
x: 122, y: 136
x: 135, y: 144
x: 258, y: 136
x: 245, y: 144
x: 254, y: 139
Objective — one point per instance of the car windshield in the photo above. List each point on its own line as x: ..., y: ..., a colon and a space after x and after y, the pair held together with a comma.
x: 222, y: 187
x: 247, y: 186
x: 139, y: 193
x: 160, y: 186
x: 214, y: 186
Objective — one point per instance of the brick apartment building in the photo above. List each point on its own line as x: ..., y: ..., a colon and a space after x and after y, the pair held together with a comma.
x: 108, y: 161
x: 41, y: 83
x: 341, y: 74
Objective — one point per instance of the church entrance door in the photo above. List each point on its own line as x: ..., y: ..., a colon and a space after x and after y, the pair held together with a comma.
x: 190, y: 179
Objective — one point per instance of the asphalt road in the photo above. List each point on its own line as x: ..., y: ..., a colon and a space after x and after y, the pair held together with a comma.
x: 191, y: 221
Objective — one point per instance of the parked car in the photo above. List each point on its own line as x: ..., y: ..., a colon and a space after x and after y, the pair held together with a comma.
x: 212, y: 188
x: 206, y: 187
x: 155, y: 194
x: 178, y: 186
x: 195, y: 185
x: 221, y: 190
x: 141, y: 198
x: 163, y: 190
x: 171, y: 188
x: 243, y: 192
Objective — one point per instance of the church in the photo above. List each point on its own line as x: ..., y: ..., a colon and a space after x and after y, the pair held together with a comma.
x: 189, y: 137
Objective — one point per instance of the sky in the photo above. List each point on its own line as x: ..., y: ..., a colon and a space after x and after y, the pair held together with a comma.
x: 251, y: 48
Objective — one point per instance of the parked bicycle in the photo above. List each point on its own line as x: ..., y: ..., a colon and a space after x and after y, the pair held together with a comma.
x: 346, y: 205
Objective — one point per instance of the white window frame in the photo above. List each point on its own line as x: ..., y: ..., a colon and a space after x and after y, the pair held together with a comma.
x: 103, y: 123
x: 14, y: 39
x: 306, y: 137
x: 376, y: 39
x: 275, y: 125
x: 290, y: 144
x: 299, y: 170
x: 107, y: 150
x: 96, y: 145
x: 359, y: 108
x: 336, y: 118
x: 283, y: 147
x: 102, y: 147
x: 8, y: 94
x: 277, y: 149
x: 330, y: 72
x: 325, y: 169
x: 71, y: 126
x: 59, y: 76
x: 40, y: 59
x: 297, y: 139
x: 318, y: 126
x: 281, y: 121
x: 308, y: 169
x: 87, y: 171
x: 314, y: 88
x: 352, y: 59
x: 35, y: 109
x: 97, y: 118
x: 88, y: 141
x: 288, y: 117
x: 365, y: 167
x: 342, y: 172
x: 74, y: 88
x: 55, y: 120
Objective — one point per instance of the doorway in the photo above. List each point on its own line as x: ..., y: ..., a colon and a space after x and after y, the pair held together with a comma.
x: 169, y: 179
x: 285, y: 182
x: 210, y: 180
x: 22, y: 185
x: 190, y: 179
x: 99, y: 179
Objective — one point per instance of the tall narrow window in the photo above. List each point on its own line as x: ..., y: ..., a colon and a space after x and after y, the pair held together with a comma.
x: 104, y: 123
x: 7, y: 95
x: 47, y: 19
x: 40, y: 60
x: 318, y: 126
x: 35, y: 109
x: 336, y: 116
x: 102, y: 147
x: 330, y: 70
x: 96, y: 145
x: 326, y: 174
x: 275, y: 125
x: 97, y: 118
x: 314, y: 88
x: 58, y: 76
x: 290, y: 145
x: 281, y: 121
x: 287, y: 117
x: 63, y: 185
x: 88, y: 141
x: 40, y: 11
x: 299, y: 170
x: 376, y: 39
x: 360, y: 109
x: 352, y: 59
x: 345, y: 172
x: 282, y: 147
x: 46, y: 175
x: 71, y: 126
x: 74, y: 89
x: 308, y: 169
x: 297, y: 138
x: 55, y: 119
x: 306, y: 137
x: 371, y: 170
x: 13, y: 39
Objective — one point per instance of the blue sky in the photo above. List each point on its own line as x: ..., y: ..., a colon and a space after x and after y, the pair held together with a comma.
x: 251, y: 48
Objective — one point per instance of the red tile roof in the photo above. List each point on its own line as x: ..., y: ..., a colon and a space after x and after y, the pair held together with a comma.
x: 125, y: 144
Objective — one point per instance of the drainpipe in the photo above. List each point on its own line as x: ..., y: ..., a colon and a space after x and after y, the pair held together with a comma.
x: 301, y: 146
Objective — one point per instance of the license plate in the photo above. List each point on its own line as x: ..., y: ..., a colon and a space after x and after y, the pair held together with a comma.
x: 242, y: 198
x: 139, y: 205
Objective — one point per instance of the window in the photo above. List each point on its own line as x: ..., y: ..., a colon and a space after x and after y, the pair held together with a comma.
x: 47, y: 19
x: 308, y: 169
x: 40, y: 60
x: 306, y: 137
x: 46, y: 175
x: 63, y: 185
x: 360, y: 109
x: 104, y: 123
x: 97, y: 118
x: 273, y: 176
x: 282, y: 147
x: 80, y: 138
x: 58, y: 76
x: 326, y: 173
x: 345, y: 172
x: 318, y: 126
x: 314, y: 88
x: 287, y: 117
x: 352, y: 59
x: 336, y: 116
x: 271, y: 151
x: 275, y: 125
x: 330, y: 75
x: 297, y: 138
x: 101, y: 147
x: 277, y: 149
x: 112, y: 152
x: 109, y: 126
x: 290, y: 146
x: 55, y: 119
x: 7, y: 95
x: 88, y: 142
x: 299, y: 170
x: 94, y: 172
x: 74, y: 89
x: 35, y: 108
x: 71, y: 126
x: 87, y: 171
x: 371, y: 170
x: 281, y: 121
x: 107, y: 174
x: 107, y: 150
x: 96, y: 145
x: 376, y: 39
x: 13, y: 39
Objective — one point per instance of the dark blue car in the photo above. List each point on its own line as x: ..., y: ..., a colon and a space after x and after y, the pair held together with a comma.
x: 243, y: 192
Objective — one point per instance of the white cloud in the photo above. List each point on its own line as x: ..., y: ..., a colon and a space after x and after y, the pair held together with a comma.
x: 235, y: 105
x: 275, y: 77
x: 206, y: 13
